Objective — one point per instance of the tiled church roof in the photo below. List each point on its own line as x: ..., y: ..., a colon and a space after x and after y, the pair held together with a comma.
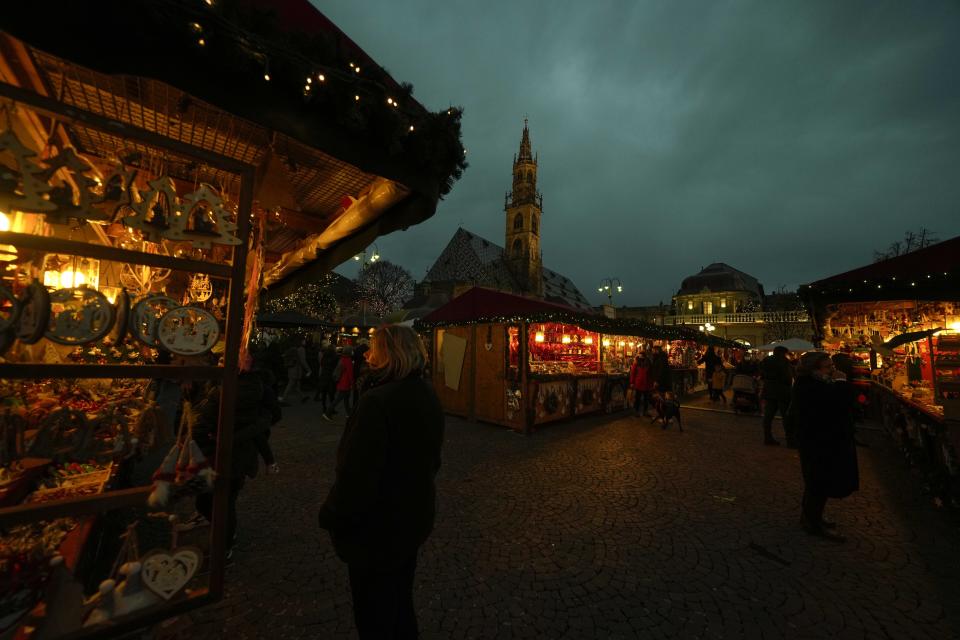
x: 468, y: 258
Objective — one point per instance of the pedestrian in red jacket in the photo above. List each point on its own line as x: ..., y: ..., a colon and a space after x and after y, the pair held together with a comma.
x: 641, y: 384
x: 343, y: 381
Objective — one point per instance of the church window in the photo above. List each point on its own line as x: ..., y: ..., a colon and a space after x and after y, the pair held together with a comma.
x: 533, y: 224
x: 518, y: 222
x: 517, y: 248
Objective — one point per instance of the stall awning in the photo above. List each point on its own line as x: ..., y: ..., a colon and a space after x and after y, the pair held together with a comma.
x: 479, y: 305
x: 931, y: 273
x: 271, y: 83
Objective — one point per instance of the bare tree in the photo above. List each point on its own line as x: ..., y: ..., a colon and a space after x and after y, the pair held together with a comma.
x: 384, y: 287
x: 781, y: 307
x: 912, y: 241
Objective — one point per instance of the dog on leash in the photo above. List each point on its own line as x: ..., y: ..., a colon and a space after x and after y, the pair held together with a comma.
x: 667, y: 407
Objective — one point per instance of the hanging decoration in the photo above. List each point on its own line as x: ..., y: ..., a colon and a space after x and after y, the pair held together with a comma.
x: 73, y: 198
x: 23, y: 188
x: 145, y: 318
x: 188, y: 331
x: 199, y: 217
x: 167, y: 573
x: 78, y: 315
x: 200, y: 289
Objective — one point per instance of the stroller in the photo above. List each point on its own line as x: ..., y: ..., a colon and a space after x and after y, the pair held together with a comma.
x: 746, y: 398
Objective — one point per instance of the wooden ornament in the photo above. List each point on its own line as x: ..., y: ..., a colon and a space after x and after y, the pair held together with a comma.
x: 146, y: 315
x: 166, y: 573
x: 202, y: 220
x: 116, y: 192
x: 188, y: 331
x: 34, y: 313
x: 79, y: 315
x: 154, y: 211
x: 72, y: 202
x: 23, y: 188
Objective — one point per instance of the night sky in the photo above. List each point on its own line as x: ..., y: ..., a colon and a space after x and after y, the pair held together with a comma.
x: 787, y: 139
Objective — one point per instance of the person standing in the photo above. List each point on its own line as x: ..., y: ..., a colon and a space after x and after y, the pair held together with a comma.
x: 382, y: 505
x: 776, y: 376
x: 660, y: 373
x: 295, y: 360
x: 325, y: 384
x: 359, y: 368
x: 343, y: 383
x: 820, y: 408
x: 641, y: 384
x: 710, y: 361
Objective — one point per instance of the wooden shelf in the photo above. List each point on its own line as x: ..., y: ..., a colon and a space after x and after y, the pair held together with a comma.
x: 78, y: 506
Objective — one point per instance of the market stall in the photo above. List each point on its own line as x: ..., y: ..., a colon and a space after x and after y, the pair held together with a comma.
x: 139, y: 216
x: 897, y: 322
x: 522, y: 362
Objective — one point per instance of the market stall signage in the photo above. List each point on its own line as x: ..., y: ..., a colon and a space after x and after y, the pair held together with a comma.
x: 199, y: 217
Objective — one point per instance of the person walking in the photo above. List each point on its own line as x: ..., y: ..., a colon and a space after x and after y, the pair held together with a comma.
x: 776, y: 377
x: 326, y: 389
x: 295, y: 360
x: 343, y: 383
x: 820, y: 408
x: 382, y: 505
x: 641, y: 384
x: 710, y: 361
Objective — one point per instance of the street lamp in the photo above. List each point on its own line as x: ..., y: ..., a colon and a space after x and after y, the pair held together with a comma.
x: 610, y: 286
x: 707, y: 328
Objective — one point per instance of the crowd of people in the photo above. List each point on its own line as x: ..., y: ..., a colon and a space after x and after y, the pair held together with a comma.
x: 812, y: 394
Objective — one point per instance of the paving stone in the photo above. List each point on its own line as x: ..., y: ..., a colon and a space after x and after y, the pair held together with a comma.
x: 607, y: 527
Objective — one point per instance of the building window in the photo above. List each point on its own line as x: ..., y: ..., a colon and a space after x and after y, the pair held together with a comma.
x: 708, y: 308
x: 723, y: 303
x: 518, y: 222
x: 690, y: 305
x: 533, y: 224
x: 517, y: 248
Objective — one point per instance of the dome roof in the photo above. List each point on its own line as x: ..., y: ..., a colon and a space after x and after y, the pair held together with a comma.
x: 720, y: 277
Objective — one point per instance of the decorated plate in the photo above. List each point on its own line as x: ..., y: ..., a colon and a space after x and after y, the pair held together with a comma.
x: 145, y: 318
x: 34, y: 313
x: 188, y: 331
x: 78, y: 315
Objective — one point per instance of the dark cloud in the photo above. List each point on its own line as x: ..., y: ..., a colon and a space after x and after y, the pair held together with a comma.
x: 789, y: 139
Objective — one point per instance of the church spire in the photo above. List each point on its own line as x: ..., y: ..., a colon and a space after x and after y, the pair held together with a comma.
x: 526, y: 155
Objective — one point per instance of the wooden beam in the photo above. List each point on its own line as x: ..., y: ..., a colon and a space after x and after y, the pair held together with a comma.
x: 304, y: 221
x: 78, y: 506
x: 50, y: 244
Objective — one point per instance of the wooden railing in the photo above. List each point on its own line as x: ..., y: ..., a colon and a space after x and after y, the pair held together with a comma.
x: 749, y: 317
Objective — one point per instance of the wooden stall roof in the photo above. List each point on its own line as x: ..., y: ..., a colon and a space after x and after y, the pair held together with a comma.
x: 931, y: 273
x: 479, y: 305
x: 140, y: 63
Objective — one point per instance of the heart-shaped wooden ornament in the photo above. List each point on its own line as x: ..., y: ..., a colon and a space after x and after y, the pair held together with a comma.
x: 167, y: 573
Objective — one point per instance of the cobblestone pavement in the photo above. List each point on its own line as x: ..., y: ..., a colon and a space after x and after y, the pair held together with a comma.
x: 605, y: 528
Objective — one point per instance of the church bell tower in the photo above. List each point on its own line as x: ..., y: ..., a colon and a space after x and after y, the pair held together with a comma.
x: 523, y: 206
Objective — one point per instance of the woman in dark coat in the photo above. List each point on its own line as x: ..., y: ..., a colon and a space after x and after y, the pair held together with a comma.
x: 381, y: 507
x: 820, y: 411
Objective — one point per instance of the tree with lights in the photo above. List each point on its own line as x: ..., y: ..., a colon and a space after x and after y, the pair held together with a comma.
x: 314, y: 299
x: 384, y: 287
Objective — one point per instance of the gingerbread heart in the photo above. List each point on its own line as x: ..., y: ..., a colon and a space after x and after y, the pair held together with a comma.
x: 166, y: 574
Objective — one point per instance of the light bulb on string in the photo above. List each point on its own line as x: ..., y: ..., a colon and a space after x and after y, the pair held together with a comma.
x: 321, y: 78
x: 266, y: 69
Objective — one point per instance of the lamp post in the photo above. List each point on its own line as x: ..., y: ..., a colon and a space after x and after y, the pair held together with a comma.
x: 610, y: 286
x: 364, y: 263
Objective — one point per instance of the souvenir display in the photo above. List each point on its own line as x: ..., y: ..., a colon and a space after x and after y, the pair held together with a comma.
x: 188, y: 331
x: 167, y: 573
x: 145, y: 318
x: 78, y: 316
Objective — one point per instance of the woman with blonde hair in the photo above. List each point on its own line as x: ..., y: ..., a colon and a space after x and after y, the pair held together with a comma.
x: 382, y: 505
